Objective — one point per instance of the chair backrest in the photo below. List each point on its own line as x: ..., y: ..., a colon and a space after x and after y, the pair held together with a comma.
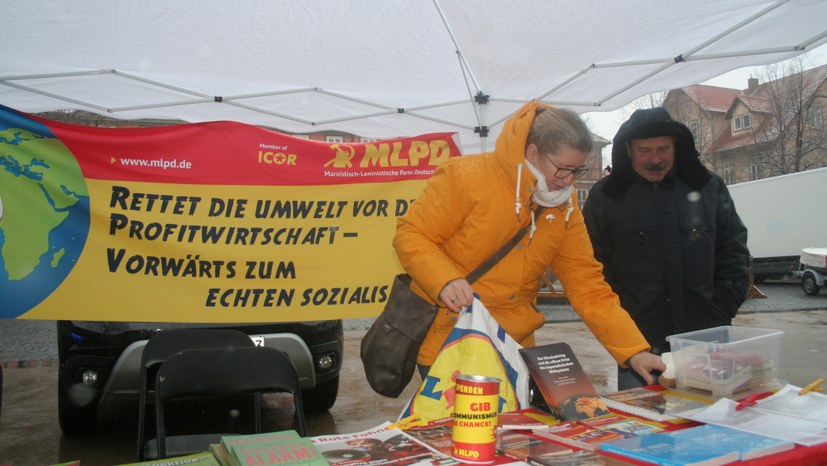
x: 164, y: 344
x: 221, y: 373
x: 169, y: 342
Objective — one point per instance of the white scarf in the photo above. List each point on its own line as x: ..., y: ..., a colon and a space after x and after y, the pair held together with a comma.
x: 542, y: 195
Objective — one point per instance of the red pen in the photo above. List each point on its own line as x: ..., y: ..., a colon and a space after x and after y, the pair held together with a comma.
x: 751, y: 400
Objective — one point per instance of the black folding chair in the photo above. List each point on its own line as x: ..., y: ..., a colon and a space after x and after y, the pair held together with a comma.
x: 169, y: 342
x: 217, y: 373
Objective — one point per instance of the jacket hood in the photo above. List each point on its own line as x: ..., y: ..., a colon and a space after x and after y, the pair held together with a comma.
x: 510, y: 151
x: 650, y: 123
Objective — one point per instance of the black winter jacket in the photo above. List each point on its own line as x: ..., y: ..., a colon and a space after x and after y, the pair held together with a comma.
x: 675, y: 251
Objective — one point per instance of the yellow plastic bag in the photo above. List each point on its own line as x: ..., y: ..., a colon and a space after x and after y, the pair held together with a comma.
x: 476, y: 346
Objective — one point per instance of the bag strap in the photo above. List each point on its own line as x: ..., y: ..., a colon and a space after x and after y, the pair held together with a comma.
x: 486, y: 265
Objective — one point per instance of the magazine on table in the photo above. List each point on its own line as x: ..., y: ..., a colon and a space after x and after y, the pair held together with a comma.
x: 378, y: 446
x: 579, y: 434
x: 812, y: 405
x: 437, y: 434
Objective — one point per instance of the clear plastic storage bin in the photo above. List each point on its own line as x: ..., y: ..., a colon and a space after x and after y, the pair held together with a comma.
x: 722, y: 361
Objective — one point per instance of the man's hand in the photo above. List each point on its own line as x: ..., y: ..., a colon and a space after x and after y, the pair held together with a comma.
x: 645, y: 362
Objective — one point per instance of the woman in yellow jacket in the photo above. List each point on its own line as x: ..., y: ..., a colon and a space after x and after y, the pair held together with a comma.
x: 474, y: 204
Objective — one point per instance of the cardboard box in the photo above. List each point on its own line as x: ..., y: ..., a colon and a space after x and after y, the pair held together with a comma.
x: 723, y: 361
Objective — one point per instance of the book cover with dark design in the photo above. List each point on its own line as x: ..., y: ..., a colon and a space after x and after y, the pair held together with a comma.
x: 561, y: 380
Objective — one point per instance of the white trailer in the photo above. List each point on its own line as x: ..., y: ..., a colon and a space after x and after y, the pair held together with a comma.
x: 813, y: 269
x: 783, y: 214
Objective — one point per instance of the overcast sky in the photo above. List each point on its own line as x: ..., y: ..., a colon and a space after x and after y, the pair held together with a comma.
x: 605, y: 124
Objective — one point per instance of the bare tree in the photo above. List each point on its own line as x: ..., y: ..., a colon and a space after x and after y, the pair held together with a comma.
x: 652, y: 100
x: 785, y: 139
x: 701, y: 122
x: 79, y: 117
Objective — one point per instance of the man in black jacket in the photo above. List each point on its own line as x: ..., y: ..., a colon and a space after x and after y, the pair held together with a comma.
x: 666, y: 230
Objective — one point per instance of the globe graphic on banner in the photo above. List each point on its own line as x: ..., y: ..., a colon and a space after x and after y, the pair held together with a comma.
x: 44, y: 213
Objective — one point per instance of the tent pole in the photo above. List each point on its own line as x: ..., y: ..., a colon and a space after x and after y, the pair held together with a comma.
x: 481, y: 104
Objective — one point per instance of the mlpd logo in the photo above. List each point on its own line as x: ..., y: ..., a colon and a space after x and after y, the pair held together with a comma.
x: 343, y: 156
x: 390, y: 154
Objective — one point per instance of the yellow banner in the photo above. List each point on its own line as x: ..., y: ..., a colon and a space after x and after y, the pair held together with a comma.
x: 190, y: 223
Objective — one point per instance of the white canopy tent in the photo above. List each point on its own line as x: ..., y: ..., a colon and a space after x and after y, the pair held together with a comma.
x: 381, y: 68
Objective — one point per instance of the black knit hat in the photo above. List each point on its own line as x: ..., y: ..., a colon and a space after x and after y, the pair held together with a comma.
x: 651, y: 123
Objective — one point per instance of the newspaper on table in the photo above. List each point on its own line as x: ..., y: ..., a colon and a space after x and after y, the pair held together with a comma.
x: 785, y: 415
x: 378, y: 446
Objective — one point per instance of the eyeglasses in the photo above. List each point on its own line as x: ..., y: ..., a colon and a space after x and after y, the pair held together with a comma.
x: 566, y: 172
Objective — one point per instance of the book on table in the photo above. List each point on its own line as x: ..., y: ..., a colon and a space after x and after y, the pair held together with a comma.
x: 624, y: 425
x: 578, y: 434
x: 523, y: 447
x: 577, y: 458
x: 749, y: 445
x: 666, y: 449
x: 195, y: 459
x: 220, y: 453
x: 296, y: 452
x: 561, y: 380
x: 656, y: 405
x: 589, y: 434
x: 225, y: 449
x: 524, y: 419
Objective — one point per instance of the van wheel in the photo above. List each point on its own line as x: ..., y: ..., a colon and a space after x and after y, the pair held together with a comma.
x: 809, y: 284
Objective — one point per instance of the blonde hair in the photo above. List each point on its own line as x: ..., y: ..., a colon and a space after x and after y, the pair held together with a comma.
x: 553, y: 127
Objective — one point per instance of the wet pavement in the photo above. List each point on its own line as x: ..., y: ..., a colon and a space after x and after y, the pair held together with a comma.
x: 29, y: 432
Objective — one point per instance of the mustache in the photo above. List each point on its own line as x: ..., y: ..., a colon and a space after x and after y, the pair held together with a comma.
x: 654, y: 166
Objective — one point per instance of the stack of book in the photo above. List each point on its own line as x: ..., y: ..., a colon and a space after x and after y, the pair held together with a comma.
x: 523, y: 447
x: 590, y: 434
x: 524, y: 419
x: 284, y: 447
x: 657, y: 405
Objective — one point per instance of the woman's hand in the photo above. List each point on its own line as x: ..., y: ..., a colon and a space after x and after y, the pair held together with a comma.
x: 457, y: 294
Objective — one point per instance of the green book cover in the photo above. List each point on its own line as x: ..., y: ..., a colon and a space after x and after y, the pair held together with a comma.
x: 220, y: 454
x: 197, y: 459
x: 230, y: 441
x: 300, y: 451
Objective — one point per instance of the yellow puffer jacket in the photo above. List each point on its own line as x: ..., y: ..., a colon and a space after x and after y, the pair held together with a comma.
x: 467, y: 211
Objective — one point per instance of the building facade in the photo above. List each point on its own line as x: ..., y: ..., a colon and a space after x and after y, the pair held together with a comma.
x: 767, y: 129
